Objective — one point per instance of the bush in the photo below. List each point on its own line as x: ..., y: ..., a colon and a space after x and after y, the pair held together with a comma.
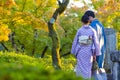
x: 22, y: 67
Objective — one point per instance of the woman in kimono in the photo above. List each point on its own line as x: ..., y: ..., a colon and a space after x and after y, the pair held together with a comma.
x: 83, y: 49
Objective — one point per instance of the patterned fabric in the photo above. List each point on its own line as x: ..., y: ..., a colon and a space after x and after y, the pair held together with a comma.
x: 84, y: 52
x: 85, y: 40
x: 102, y: 40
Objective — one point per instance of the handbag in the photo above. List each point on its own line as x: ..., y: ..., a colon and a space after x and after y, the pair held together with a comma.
x: 95, y: 66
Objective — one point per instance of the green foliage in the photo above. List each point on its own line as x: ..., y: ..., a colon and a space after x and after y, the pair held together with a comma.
x: 23, y: 17
x: 22, y: 67
x: 97, y: 4
x: 70, y: 23
x: 68, y: 63
x: 25, y: 5
x: 17, y: 58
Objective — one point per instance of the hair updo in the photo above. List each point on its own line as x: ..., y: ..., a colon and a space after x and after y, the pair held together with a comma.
x: 85, y: 19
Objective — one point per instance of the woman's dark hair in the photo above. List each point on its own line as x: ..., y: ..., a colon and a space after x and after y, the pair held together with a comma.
x: 85, y: 19
x: 90, y: 13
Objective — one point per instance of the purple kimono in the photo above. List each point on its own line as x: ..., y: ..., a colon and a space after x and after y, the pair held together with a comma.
x: 84, y: 52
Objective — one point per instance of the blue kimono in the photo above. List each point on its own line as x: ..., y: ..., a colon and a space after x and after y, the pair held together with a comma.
x: 102, y: 40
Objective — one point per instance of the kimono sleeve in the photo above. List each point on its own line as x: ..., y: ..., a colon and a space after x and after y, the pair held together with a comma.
x: 75, y: 44
x: 96, y: 44
x: 104, y: 40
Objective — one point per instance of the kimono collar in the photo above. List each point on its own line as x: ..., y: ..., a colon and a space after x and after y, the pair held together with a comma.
x: 95, y: 20
x: 86, y: 26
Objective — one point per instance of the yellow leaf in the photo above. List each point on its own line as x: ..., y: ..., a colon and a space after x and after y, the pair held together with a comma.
x: 5, y: 38
x: 4, y: 32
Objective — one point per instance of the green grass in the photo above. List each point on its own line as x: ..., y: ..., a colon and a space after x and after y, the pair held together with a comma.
x: 22, y: 67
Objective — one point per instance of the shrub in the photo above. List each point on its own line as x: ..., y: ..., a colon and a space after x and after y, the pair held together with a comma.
x: 22, y: 67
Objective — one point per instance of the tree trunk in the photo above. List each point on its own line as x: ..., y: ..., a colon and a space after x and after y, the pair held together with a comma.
x: 53, y: 34
x: 22, y: 46
x: 4, y: 46
x: 34, y: 42
x: 14, y: 45
x: 43, y: 52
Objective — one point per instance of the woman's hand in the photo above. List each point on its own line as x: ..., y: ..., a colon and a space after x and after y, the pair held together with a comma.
x: 94, y: 57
